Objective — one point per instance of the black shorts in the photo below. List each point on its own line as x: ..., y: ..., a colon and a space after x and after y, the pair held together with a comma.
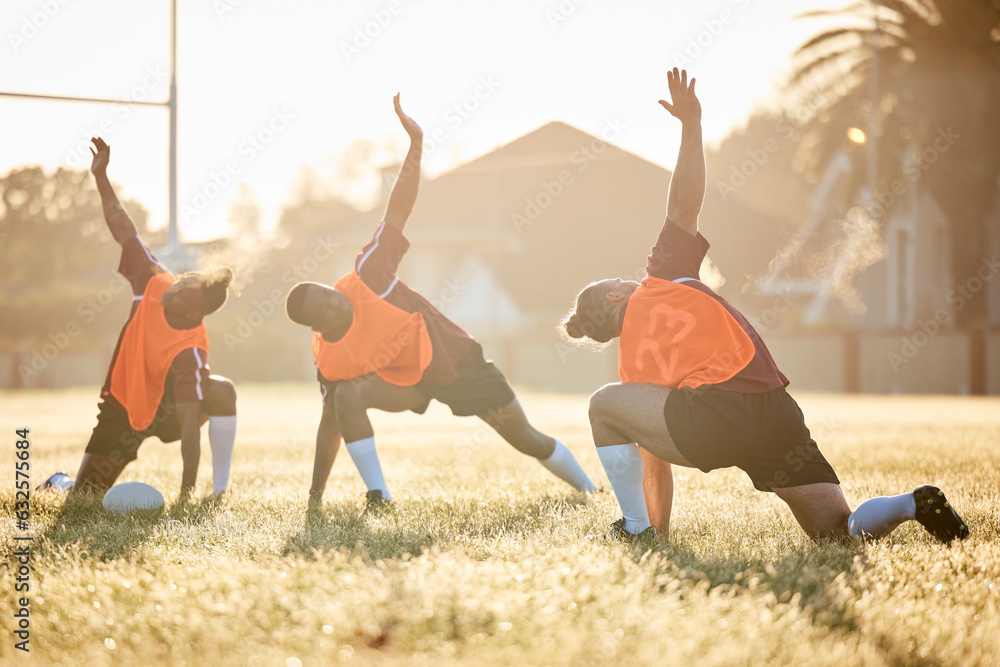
x: 114, y: 436
x: 763, y: 434
x: 480, y: 387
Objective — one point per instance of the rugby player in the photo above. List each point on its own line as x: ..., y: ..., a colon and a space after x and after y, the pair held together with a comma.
x: 159, y: 383
x: 700, y: 389
x: 378, y: 344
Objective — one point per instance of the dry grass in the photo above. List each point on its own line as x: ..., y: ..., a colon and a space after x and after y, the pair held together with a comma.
x: 484, y: 560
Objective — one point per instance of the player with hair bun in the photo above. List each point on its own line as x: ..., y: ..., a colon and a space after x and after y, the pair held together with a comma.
x: 159, y: 383
x: 700, y: 389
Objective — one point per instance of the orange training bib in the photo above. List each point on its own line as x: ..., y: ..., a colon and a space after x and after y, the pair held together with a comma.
x: 148, y: 348
x: 383, y: 339
x: 677, y: 336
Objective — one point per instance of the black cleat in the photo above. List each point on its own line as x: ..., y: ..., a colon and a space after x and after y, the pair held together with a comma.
x: 376, y: 502
x: 937, y: 516
x: 617, y: 532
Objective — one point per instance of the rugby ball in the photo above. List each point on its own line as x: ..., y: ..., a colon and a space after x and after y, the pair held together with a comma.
x: 129, y: 496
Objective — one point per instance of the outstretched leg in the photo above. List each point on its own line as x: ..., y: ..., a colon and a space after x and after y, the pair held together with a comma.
x: 512, y: 425
x: 822, y: 511
x: 926, y: 504
x: 98, y: 473
x: 112, y: 446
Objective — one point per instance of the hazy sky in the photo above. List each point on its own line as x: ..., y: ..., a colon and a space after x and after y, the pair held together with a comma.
x: 266, y: 86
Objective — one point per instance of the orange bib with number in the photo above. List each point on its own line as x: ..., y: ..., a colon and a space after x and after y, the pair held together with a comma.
x: 148, y: 348
x: 383, y: 339
x: 677, y: 336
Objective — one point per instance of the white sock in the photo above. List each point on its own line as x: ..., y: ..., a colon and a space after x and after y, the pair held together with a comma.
x: 880, y: 516
x: 221, y: 438
x: 563, y: 465
x: 366, y: 460
x: 623, y: 464
x: 60, y: 482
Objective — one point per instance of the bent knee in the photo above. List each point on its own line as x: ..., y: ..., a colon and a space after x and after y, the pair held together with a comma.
x: 347, y: 397
x: 604, y: 401
x: 220, y: 396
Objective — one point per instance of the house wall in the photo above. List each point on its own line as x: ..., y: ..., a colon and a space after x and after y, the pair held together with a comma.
x: 887, y: 363
x: 65, y: 369
x: 916, y: 363
x: 540, y: 359
x: 993, y: 363
x: 815, y: 363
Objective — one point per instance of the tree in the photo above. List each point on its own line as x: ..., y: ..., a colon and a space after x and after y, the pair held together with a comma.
x: 936, y: 69
x: 55, y: 251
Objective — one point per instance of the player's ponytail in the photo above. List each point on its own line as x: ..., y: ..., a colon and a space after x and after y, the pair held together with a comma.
x: 593, y: 317
x: 215, y: 287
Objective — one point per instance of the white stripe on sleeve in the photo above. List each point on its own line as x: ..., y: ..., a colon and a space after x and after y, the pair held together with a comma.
x: 198, y: 372
x: 368, y: 254
x: 149, y: 255
x: 391, y: 285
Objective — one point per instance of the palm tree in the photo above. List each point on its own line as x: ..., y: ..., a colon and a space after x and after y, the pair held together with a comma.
x: 929, y: 71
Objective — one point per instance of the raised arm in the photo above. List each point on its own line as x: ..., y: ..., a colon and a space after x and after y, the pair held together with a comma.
x: 404, y: 192
x: 687, y: 184
x: 118, y: 221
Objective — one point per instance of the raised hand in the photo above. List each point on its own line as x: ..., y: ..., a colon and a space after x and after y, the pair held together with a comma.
x: 117, y: 218
x: 684, y: 104
x: 404, y: 192
x: 410, y: 125
x: 102, y: 156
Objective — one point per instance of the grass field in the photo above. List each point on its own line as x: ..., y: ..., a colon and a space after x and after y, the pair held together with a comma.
x: 484, y: 560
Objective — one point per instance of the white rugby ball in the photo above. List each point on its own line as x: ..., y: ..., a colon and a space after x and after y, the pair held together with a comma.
x: 129, y: 496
